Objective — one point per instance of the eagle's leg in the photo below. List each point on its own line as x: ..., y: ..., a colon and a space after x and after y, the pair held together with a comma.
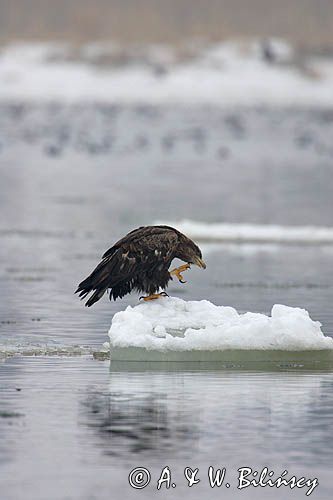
x: 177, y: 272
x: 154, y: 296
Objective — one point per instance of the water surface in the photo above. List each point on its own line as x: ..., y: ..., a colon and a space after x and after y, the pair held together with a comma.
x: 73, y: 180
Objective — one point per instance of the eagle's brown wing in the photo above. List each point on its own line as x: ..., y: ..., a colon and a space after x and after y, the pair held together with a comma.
x: 143, y: 254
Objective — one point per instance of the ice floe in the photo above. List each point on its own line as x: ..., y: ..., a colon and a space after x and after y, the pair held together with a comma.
x: 173, y: 324
x: 9, y: 349
x: 252, y: 233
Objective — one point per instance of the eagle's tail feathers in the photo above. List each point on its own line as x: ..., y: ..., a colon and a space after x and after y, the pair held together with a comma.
x: 95, y: 297
x: 97, y: 282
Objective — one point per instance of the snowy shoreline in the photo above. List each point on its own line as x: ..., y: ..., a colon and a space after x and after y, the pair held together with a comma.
x: 242, y: 73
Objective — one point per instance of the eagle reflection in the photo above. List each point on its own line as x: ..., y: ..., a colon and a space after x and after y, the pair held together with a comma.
x: 130, y: 423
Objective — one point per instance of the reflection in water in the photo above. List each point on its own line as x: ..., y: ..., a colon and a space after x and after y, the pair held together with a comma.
x: 136, y: 423
x: 282, y: 418
x: 101, y: 424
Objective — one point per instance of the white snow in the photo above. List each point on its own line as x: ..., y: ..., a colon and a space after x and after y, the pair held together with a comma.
x: 256, y: 233
x: 226, y: 74
x: 173, y: 324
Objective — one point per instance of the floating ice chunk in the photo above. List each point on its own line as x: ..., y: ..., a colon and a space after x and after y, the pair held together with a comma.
x: 249, y: 233
x: 172, y: 324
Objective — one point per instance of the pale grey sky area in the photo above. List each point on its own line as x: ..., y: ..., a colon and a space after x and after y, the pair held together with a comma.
x: 304, y: 22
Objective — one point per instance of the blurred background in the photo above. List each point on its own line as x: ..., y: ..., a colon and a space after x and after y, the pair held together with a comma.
x: 304, y: 22
x: 116, y: 114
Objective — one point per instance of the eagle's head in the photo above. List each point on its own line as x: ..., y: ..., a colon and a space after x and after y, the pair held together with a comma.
x: 190, y: 252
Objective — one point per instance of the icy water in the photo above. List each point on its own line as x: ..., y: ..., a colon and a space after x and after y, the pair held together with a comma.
x: 74, y: 179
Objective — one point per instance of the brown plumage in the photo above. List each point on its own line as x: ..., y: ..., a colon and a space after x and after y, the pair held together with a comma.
x: 139, y: 261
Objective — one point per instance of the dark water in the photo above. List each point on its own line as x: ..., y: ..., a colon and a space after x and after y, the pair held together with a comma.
x: 74, y: 179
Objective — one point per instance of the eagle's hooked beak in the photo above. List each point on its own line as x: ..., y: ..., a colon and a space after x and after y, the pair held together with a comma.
x: 199, y: 262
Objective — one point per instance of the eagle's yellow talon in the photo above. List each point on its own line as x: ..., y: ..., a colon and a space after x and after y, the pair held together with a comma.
x: 178, y: 270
